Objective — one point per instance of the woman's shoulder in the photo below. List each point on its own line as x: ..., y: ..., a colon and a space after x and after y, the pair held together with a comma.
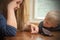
x: 1, y: 16
x: 1, y: 13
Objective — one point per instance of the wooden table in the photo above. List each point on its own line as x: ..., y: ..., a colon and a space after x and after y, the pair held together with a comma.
x: 29, y: 36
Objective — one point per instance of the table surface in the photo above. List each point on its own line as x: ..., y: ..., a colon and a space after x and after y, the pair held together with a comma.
x: 29, y: 36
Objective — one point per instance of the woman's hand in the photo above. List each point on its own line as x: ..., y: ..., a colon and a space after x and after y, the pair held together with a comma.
x: 33, y: 28
x: 11, y: 19
x: 14, y: 4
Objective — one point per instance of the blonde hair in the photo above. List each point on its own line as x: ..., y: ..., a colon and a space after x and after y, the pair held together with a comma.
x: 53, y: 17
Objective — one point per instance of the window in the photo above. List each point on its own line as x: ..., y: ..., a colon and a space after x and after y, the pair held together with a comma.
x: 39, y: 8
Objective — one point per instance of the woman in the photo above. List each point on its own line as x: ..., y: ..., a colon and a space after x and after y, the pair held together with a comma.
x: 8, y: 26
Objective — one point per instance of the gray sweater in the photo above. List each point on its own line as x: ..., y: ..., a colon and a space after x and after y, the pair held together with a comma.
x: 47, y: 31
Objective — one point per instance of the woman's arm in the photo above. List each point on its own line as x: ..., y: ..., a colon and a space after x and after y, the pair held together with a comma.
x: 11, y: 19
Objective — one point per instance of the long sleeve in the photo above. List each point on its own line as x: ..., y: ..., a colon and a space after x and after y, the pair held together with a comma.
x: 6, y: 30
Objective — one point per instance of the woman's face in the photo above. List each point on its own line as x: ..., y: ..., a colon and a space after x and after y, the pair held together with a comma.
x: 18, y: 2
